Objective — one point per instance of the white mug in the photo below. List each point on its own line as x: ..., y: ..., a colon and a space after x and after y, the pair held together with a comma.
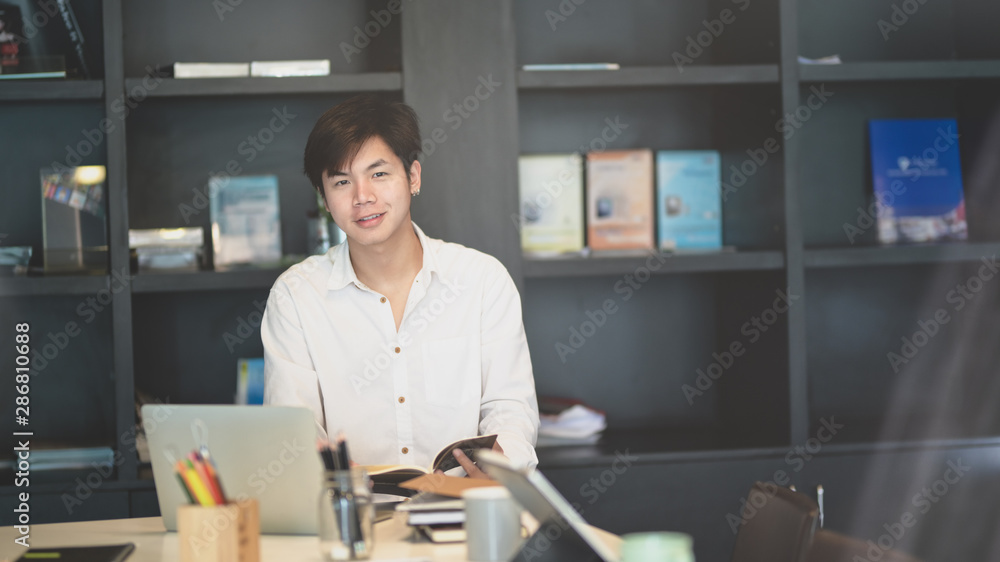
x: 492, y: 523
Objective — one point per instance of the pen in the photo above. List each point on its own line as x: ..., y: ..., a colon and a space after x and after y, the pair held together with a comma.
x: 198, y: 488
x: 213, y: 471
x: 819, y: 501
x: 206, y: 477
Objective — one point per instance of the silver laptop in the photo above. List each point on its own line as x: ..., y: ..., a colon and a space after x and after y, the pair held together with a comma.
x: 263, y: 452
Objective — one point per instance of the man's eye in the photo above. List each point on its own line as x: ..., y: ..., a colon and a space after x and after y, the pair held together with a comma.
x: 339, y: 183
x: 380, y: 174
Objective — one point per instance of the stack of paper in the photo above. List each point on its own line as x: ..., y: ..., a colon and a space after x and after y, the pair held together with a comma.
x: 577, y: 424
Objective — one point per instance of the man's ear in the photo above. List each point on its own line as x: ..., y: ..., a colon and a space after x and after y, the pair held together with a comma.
x: 415, y: 176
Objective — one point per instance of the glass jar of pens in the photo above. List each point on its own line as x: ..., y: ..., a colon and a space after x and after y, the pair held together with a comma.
x: 346, y: 512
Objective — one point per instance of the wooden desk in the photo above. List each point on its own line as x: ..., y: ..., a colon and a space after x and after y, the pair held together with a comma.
x: 394, y: 540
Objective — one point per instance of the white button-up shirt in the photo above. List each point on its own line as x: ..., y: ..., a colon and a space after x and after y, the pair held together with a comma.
x: 458, y: 366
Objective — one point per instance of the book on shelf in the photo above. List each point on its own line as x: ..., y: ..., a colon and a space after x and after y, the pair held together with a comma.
x: 389, y: 476
x: 917, y: 180
x: 573, y: 66
x: 443, y: 533
x: 250, y: 381
x: 67, y: 459
x: 168, y: 249
x: 54, y: 50
x: 286, y: 68
x: 74, y: 226
x: 35, y: 67
x: 246, y: 220
x: 551, y: 203
x: 75, y: 36
x: 11, y: 33
x: 620, y: 200
x: 207, y: 69
x: 688, y: 200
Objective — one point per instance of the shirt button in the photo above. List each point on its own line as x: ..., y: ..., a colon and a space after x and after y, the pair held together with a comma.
x: 405, y: 450
x: 382, y: 300
x: 402, y: 399
x: 397, y: 350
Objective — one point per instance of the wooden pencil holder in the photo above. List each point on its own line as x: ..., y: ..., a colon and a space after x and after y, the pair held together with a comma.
x: 224, y: 533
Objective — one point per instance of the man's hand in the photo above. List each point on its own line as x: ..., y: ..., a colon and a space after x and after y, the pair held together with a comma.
x: 470, y: 467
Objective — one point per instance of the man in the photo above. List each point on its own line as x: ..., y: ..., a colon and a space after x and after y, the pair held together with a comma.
x: 403, y: 342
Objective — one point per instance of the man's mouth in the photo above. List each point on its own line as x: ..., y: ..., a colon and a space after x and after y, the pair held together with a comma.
x: 370, y: 218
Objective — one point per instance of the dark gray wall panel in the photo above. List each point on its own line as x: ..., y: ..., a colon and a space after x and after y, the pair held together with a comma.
x: 451, y: 52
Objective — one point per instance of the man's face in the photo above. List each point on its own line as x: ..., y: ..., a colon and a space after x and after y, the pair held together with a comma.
x: 370, y: 200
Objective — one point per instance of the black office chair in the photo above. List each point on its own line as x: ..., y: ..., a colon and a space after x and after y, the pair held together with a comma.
x: 828, y: 546
x: 780, y: 530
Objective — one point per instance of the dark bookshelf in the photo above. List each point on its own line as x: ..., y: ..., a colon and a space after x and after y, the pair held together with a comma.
x: 597, y: 264
x: 652, y: 76
x: 260, y: 86
x: 900, y: 70
x: 825, y: 354
x: 36, y: 90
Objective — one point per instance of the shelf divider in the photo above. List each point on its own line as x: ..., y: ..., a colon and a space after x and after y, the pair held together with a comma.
x: 652, y: 76
x: 48, y: 90
x: 900, y: 70
x: 339, y: 83
x: 657, y: 263
x: 52, y: 286
x: 901, y: 255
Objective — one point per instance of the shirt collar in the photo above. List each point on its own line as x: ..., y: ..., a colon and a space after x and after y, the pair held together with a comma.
x: 343, y: 273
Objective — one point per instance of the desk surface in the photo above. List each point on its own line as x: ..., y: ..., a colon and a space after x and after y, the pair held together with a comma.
x: 394, y: 540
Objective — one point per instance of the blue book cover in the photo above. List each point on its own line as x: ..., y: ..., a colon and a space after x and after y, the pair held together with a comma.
x: 250, y: 381
x: 917, y: 179
x: 246, y: 220
x: 688, y: 200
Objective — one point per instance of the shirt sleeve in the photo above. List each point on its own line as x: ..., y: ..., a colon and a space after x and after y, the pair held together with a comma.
x: 509, y: 407
x: 289, y: 375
